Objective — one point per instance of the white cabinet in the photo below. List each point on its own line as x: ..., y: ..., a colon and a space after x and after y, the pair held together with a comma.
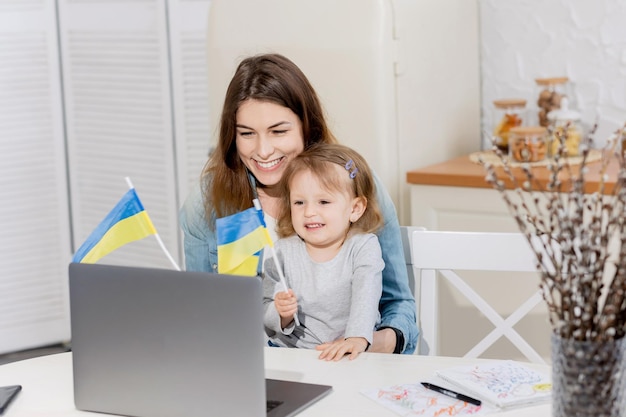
x: 459, y: 208
x: 34, y: 213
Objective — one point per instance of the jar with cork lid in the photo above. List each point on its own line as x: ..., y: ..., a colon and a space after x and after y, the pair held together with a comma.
x: 549, y: 95
x: 507, y: 114
x: 565, y: 126
x: 528, y: 143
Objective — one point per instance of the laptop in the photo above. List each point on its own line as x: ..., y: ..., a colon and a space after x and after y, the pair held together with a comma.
x: 156, y: 342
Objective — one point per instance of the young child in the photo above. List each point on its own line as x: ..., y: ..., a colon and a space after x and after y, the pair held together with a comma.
x: 331, y: 259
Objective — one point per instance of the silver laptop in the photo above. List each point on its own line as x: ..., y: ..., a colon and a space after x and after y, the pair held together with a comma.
x: 157, y: 342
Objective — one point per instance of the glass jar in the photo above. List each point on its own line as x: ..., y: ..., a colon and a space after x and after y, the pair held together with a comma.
x: 550, y: 93
x: 565, y: 125
x: 507, y: 114
x: 528, y: 143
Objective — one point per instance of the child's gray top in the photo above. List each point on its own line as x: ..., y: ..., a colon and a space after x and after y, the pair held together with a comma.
x: 336, y: 299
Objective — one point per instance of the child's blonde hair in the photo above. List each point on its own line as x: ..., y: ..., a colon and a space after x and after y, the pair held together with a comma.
x: 318, y: 160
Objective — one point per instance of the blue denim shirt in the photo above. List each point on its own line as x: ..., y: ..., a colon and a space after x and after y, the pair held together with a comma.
x: 397, y: 305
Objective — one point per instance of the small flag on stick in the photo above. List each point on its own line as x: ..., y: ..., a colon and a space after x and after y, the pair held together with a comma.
x: 240, y: 239
x: 127, y: 222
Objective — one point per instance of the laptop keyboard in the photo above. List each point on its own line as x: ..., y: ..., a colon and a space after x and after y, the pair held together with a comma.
x: 272, y: 404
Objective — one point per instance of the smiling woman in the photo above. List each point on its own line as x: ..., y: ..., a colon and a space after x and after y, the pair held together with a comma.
x: 270, y: 115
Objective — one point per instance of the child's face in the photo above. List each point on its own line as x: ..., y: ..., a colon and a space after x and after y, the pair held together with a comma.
x: 321, y: 217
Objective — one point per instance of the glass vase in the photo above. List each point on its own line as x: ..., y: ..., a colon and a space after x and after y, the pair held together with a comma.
x: 589, y: 378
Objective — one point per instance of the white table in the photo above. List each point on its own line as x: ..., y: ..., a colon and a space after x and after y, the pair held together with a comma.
x: 48, y: 390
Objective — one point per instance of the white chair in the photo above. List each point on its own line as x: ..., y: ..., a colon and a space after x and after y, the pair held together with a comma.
x: 407, y: 232
x: 437, y: 254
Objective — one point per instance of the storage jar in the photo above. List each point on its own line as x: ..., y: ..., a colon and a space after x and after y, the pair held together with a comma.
x: 550, y: 91
x: 507, y: 114
x: 565, y: 126
x: 528, y: 143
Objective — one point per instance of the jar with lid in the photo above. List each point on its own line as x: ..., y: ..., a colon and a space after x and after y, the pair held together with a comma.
x: 550, y: 93
x: 528, y: 143
x: 565, y: 126
x: 507, y: 114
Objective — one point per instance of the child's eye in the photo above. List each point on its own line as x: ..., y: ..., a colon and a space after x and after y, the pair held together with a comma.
x: 297, y: 203
x: 324, y: 202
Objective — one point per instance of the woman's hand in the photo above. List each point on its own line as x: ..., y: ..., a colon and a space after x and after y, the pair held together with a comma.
x: 334, y: 351
x: 286, y: 305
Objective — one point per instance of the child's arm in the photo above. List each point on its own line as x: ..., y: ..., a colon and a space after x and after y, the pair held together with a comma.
x: 366, y: 288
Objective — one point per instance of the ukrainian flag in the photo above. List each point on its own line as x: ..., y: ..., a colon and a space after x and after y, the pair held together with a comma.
x: 127, y: 222
x: 240, y: 238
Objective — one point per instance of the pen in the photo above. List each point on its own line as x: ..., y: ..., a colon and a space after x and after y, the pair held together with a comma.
x: 450, y: 393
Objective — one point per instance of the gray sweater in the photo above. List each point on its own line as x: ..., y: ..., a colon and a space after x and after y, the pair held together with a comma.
x: 337, y: 298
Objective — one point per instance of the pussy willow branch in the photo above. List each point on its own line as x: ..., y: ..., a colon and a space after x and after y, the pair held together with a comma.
x: 570, y: 233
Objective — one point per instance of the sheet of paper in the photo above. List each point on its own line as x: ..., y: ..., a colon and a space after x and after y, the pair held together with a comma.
x: 415, y: 400
x: 505, y: 383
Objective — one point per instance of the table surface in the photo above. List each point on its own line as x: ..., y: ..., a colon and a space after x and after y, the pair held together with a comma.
x: 464, y: 172
x: 48, y: 385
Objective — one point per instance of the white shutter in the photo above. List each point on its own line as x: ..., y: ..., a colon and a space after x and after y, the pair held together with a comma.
x: 35, y: 238
x: 188, y: 21
x: 119, y: 118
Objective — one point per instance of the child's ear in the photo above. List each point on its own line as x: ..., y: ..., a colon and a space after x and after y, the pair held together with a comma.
x: 359, y: 204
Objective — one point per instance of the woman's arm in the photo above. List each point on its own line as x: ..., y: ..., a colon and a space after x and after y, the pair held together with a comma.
x: 397, y: 305
x: 200, y: 244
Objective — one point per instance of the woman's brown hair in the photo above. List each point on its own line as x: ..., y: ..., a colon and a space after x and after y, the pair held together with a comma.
x: 271, y: 78
x: 319, y: 159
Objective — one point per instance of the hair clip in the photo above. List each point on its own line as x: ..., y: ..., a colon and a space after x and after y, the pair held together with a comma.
x: 351, y: 168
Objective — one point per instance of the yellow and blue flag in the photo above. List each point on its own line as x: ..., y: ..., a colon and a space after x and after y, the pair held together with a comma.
x: 240, y: 239
x: 127, y: 222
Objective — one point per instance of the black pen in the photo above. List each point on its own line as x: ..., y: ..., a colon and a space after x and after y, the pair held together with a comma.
x: 450, y: 393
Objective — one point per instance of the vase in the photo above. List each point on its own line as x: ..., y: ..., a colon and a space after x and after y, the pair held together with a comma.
x: 589, y: 378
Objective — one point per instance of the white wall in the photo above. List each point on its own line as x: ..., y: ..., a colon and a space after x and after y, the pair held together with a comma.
x: 582, y: 39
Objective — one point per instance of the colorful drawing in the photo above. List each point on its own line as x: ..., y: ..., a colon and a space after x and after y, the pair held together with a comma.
x: 415, y: 400
x: 505, y: 383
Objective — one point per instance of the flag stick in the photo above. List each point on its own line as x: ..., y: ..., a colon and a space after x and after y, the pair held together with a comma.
x: 282, y: 279
x: 158, y: 238
x: 257, y: 205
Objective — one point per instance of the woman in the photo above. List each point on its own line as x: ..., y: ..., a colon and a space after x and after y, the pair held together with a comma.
x: 271, y: 113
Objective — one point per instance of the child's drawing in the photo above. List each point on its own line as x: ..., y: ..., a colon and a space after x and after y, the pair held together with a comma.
x: 415, y: 400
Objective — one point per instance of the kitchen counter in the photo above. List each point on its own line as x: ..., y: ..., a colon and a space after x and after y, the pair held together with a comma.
x: 464, y: 172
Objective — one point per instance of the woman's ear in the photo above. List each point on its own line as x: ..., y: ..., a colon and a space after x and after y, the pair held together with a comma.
x: 359, y: 204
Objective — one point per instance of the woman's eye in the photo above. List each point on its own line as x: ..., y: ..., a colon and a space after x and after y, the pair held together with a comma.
x: 245, y: 134
x: 279, y: 132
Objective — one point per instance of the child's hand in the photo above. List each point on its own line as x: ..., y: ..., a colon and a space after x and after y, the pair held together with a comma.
x: 286, y: 305
x: 334, y: 351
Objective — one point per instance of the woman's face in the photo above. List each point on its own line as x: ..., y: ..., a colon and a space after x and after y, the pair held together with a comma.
x: 269, y: 136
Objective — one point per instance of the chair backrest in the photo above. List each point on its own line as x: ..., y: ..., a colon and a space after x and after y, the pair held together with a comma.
x: 436, y: 254
x: 407, y: 243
